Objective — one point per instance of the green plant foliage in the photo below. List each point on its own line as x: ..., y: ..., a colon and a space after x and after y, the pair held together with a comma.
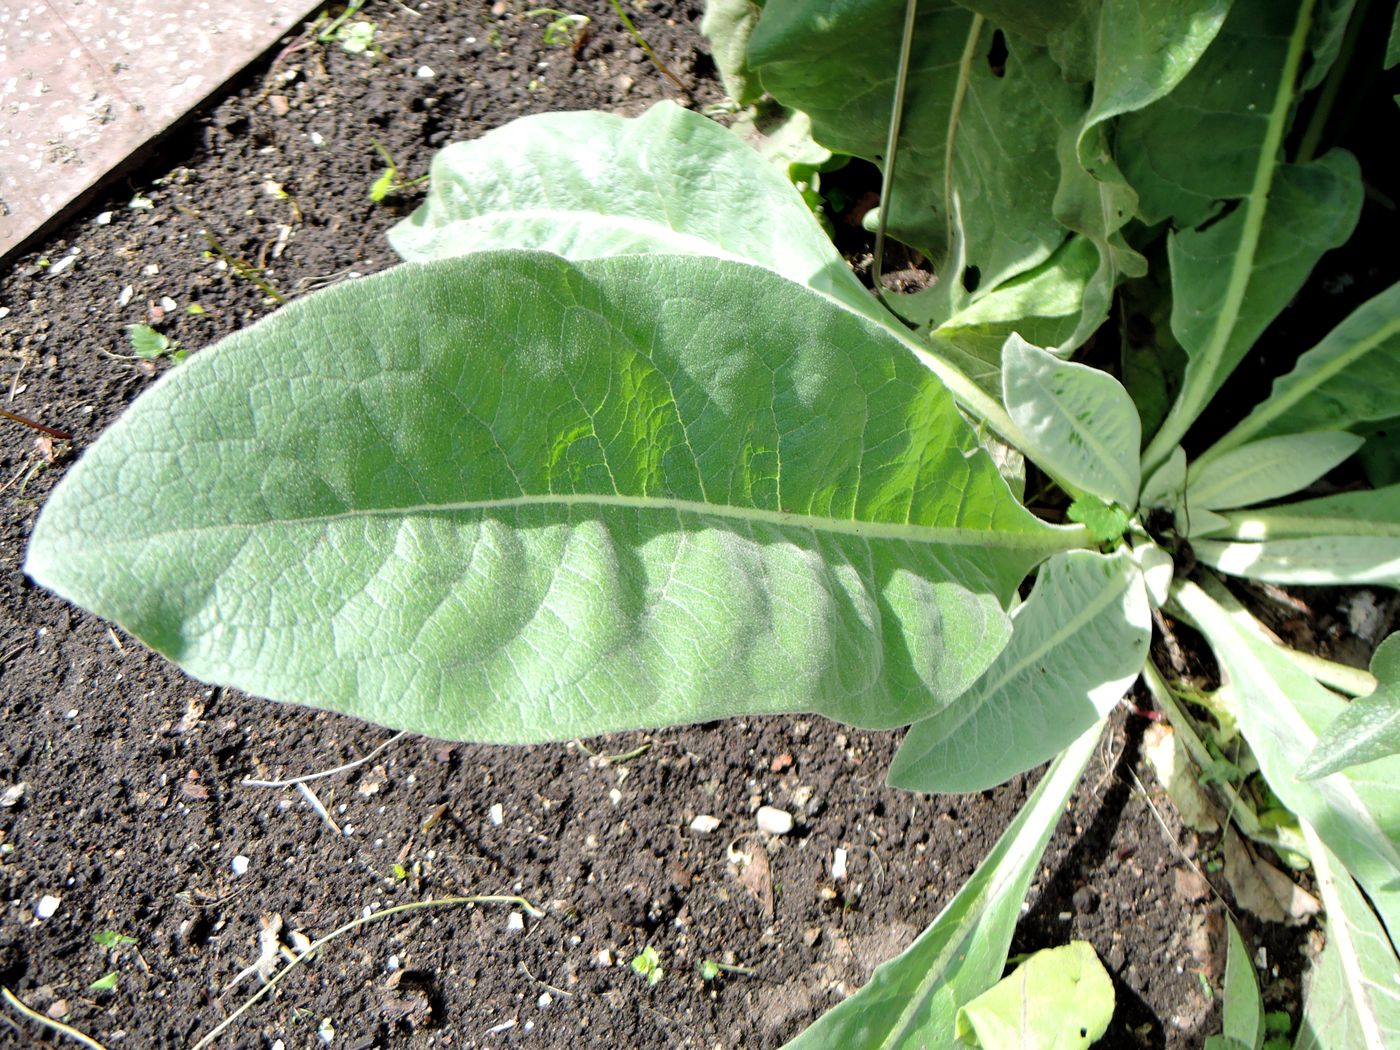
x: 1351, y: 1001
x: 1077, y: 421
x: 1369, y: 728
x: 913, y: 1000
x: 1058, y: 999
x: 728, y: 24
x: 468, y: 526
x: 1080, y: 640
x: 1242, y: 1009
x: 1281, y: 713
x: 1106, y: 523
x: 1266, y: 469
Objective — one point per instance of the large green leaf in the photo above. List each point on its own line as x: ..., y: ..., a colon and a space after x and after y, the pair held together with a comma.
x: 912, y: 1000
x: 507, y: 498
x: 1281, y: 713
x: 1351, y: 1000
x: 1352, y: 537
x: 1077, y: 643
x: 999, y: 127
x: 588, y: 185
x: 1241, y: 1008
x: 1369, y: 728
x: 727, y: 24
x: 1077, y: 422
x: 1349, y: 380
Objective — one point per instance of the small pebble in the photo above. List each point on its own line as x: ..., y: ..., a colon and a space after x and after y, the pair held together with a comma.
x: 168, y: 304
x: 615, y: 797
x: 150, y: 269
x: 426, y: 73
x: 13, y: 794
x: 838, y: 863
x: 125, y: 297
x: 496, y: 814
x: 58, y: 1009
x: 603, y: 958
x: 104, y: 219
x: 48, y: 904
x: 774, y: 821
x: 516, y: 922
x: 704, y: 824
x: 239, y: 865
x: 544, y: 1000
x: 393, y: 963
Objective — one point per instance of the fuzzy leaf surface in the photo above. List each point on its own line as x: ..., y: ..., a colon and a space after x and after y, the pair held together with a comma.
x: 1077, y: 421
x: 1349, y: 380
x: 1058, y: 999
x: 1267, y: 469
x: 589, y: 185
x: 1077, y: 643
x: 1281, y: 713
x: 671, y: 489
x: 1242, y: 1008
x: 1369, y: 728
x: 913, y: 999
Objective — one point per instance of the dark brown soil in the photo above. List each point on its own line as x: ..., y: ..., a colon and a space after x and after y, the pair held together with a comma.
x: 134, y: 809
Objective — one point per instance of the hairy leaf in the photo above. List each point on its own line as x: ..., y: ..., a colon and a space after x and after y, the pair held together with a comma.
x: 1266, y: 469
x: 1078, y: 422
x: 1369, y: 727
x: 727, y: 25
x: 913, y: 999
x: 1077, y: 643
x: 673, y: 488
x: 590, y: 185
x: 1352, y: 537
x: 1351, y: 999
x: 1058, y: 999
x: 1242, y: 1009
x: 1349, y: 380
x: 1281, y: 713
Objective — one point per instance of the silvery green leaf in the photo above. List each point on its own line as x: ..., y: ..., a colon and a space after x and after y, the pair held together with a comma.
x: 913, y: 999
x: 1242, y: 1008
x: 1157, y: 569
x: 673, y: 488
x: 1165, y: 486
x: 1348, y: 381
x: 1077, y: 643
x: 1282, y: 712
x: 1351, y: 997
x: 1077, y: 421
x: 1058, y: 999
x: 1267, y: 469
x: 1369, y: 727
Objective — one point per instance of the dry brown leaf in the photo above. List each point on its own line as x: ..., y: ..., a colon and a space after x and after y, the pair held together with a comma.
x: 1176, y: 773
x: 1261, y: 888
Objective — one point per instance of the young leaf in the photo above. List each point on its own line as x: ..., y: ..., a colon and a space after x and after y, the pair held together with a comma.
x: 1058, y: 999
x: 1266, y: 469
x: 1349, y: 538
x: 1077, y: 643
x: 1106, y: 522
x: 1242, y: 1009
x: 1281, y: 712
x: 1077, y: 422
x: 1369, y: 727
x: 913, y: 999
x: 146, y: 342
x: 413, y: 499
x: 1350, y: 1000
x: 104, y: 984
x: 1350, y: 379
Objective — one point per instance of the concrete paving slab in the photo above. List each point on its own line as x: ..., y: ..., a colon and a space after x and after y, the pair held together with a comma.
x: 86, y: 83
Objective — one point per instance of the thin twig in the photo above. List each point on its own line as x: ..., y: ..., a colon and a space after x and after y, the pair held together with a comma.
x: 48, y: 1022
x: 891, y: 142
x: 15, y: 417
x: 345, y: 768
x: 319, y: 807
x: 354, y: 924
x: 642, y: 43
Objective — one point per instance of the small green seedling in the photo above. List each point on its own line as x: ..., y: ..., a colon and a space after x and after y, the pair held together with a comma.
x: 357, y: 38
x: 104, y: 984
x: 148, y: 344
x: 389, y: 182
x: 710, y: 969
x: 648, y: 965
x: 112, y: 939
x: 567, y: 30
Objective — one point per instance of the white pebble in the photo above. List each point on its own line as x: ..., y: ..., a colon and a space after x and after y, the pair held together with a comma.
x: 615, y: 797
x: 774, y: 821
x: 239, y: 865
x: 838, y: 863
x: 393, y: 963
x: 496, y: 814
x: 48, y: 904
x: 515, y: 923
x: 544, y: 1000
x: 104, y: 219
x: 13, y: 794
x: 168, y: 304
x: 126, y: 295
x: 426, y: 73
x: 704, y: 824
x: 317, y: 139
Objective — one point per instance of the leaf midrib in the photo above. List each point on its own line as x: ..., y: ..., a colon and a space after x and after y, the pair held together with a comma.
x: 1045, y: 537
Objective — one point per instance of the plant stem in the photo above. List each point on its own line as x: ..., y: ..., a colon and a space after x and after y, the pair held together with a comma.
x: 1350, y: 680
x: 642, y: 43
x: 15, y: 417
x: 1322, y: 112
x: 1204, y: 370
x: 48, y: 1022
x: 901, y: 81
